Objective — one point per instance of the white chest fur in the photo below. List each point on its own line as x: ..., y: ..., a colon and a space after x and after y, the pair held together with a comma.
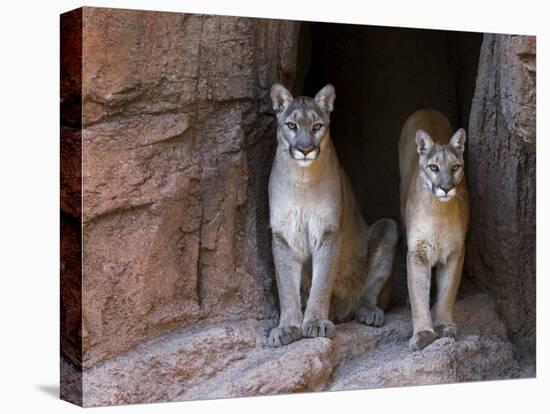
x: 302, y: 218
x: 303, y: 209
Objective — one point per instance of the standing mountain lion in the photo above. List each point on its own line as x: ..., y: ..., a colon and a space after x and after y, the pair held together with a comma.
x: 434, y: 210
x: 321, y: 244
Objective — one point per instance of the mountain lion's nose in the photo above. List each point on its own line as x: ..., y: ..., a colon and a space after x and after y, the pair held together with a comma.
x: 305, y: 149
x: 446, y: 189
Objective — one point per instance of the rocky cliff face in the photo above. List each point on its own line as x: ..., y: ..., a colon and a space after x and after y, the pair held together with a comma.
x: 502, y: 180
x: 166, y: 274
x: 176, y: 138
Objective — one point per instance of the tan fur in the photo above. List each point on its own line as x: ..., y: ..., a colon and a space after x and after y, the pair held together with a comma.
x: 435, y: 232
x: 322, y: 246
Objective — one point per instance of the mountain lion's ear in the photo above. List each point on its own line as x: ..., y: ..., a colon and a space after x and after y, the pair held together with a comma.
x: 458, y: 140
x: 424, y: 142
x: 325, y: 98
x: 281, y: 97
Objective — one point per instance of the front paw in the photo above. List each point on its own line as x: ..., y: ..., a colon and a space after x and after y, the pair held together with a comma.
x: 448, y: 330
x: 283, y: 335
x: 318, y: 327
x: 421, y: 340
x: 370, y: 315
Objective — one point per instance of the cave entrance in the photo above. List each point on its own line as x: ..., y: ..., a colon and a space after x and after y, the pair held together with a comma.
x: 381, y: 76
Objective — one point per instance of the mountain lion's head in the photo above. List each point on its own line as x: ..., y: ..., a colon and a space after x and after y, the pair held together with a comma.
x: 302, y: 122
x: 441, y: 166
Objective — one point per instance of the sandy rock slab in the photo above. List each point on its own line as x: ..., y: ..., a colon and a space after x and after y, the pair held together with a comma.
x: 232, y: 360
x: 162, y: 368
x: 481, y: 352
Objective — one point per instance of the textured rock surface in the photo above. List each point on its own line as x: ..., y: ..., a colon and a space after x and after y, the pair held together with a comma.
x: 176, y: 125
x: 481, y: 352
x: 232, y: 360
x: 71, y: 207
x: 501, y: 175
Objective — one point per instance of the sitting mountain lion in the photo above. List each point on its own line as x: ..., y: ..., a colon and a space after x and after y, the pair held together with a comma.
x: 321, y: 244
x: 434, y: 210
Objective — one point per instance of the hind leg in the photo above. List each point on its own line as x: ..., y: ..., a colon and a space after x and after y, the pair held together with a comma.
x: 380, y: 259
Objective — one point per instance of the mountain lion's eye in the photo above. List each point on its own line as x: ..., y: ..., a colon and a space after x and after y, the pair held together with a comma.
x: 455, y: 167
x: 433, y: 167
x: 291, y: 125
x: 317, y: 127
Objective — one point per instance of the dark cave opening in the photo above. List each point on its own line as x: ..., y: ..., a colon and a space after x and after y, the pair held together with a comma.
x: 381, y: 76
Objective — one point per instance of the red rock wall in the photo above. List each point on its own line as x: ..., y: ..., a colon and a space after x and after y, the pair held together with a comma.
x: 176, y: 142
x: 71, y: 203
x: 501, y: 173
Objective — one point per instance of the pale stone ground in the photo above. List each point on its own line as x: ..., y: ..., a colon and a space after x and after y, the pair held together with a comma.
x: 232, y: 360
